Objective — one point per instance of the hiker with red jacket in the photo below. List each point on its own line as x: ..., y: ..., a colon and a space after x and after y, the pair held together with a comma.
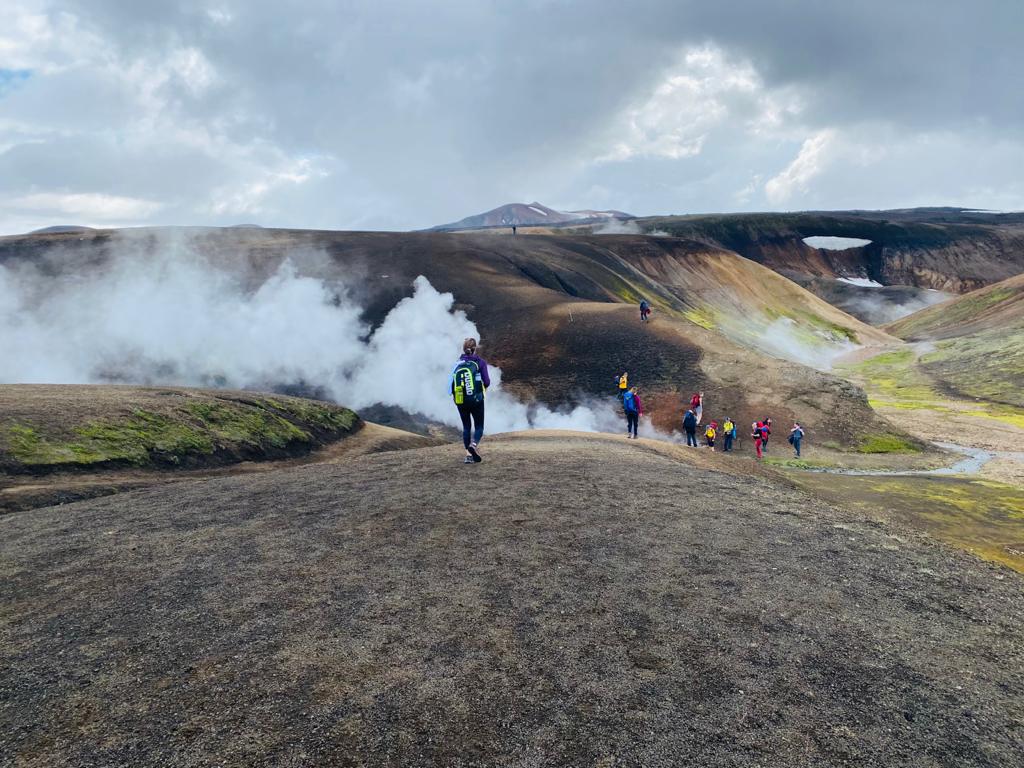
x: 697, y: 405
x: 634, y: 410
x: 470, y: 379
x: 757, y: 433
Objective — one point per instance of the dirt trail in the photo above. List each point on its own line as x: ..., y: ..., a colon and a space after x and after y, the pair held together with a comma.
x: 573, y: 600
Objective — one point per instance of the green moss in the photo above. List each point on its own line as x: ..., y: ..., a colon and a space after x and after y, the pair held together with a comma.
x: 246, y: 425
x: 136, y: 439
x: 321, y: 415
x: 893, y: 377
x: 987, y: 365
x: 701, y: 317
x: 199, y: 428
x: 139, y: 438
x: 792, y: 463
x: 886, y: 444
x: 981, y: 516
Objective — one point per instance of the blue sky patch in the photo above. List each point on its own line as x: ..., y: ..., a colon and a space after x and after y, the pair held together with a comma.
x: 12, y: 78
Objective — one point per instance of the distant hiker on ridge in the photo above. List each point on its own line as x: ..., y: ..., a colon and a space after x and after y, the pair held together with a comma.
x: 729, y: 433
x: 690, y: 427
x: 634, y: 410
x: 470, y: 380
x: 796, y: 434
x: 645, y: 310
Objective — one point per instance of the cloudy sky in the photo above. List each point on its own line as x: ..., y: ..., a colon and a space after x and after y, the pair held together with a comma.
x: 400, y: 115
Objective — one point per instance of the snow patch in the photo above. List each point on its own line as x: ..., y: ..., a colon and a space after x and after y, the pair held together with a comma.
x: 863, y: 282
x: 835, y: 243
x: 537, y: 210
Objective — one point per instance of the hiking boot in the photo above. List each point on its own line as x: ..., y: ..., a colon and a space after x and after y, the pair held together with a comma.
x: 469, y: 460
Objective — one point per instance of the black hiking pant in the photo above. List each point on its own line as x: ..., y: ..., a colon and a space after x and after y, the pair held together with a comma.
x: 691, y: 437
x: 474, y: 412
x: 632, y: 419
x: 728, y: 442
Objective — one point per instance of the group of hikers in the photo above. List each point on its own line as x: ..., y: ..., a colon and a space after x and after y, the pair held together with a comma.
x: 470, y: 380
x: 760, y: 431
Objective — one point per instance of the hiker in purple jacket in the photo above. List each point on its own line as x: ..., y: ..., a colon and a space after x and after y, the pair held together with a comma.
x: 470, y: 380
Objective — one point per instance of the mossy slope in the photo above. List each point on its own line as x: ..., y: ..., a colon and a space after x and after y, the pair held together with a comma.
x: 91, y: 427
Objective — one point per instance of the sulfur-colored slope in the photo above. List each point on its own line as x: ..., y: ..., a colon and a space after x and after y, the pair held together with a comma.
x: 977, y: 342
x: 996, y: 307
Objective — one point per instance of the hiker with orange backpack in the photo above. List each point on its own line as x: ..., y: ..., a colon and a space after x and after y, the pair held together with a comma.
x: 470, y: 380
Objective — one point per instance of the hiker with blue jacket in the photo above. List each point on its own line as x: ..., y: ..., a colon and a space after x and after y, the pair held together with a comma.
x: 634, y: 410
x: 469, y: 382
x: 796, y: 434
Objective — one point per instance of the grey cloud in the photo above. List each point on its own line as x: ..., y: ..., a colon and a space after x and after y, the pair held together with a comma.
x: 406, y: 114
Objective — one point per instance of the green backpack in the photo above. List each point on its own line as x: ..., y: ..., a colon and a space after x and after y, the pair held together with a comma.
x: 467, y: 386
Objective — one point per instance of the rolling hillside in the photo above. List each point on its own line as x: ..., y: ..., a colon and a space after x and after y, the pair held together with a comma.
x: 976, y: 342
x: 558, y: 313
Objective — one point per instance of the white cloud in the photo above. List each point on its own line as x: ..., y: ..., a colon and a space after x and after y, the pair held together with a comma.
x: 693, y: 98
x: 812, y: 159
x: 87, y: 206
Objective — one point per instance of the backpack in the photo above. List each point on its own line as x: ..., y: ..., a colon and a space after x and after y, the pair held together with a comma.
x: 467, y: 386
x: 629, y: 402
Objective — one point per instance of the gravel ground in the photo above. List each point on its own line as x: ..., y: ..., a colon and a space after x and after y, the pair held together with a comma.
x: 577, y: 601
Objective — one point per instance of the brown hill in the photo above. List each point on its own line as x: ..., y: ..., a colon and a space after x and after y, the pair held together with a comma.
x: 595, y: 602
x: 946, y: 249
x: 559, y: 312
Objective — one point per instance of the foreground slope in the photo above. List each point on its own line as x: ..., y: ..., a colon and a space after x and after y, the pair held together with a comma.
x: 574, y: 600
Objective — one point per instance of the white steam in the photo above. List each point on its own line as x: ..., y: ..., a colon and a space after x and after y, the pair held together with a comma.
x: 176, y: 318
x: 886, y: 309
x: 790, y: 340
x: 628, y: 227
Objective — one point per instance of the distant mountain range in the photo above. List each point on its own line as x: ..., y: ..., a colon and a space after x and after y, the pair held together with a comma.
x: 532, y: 215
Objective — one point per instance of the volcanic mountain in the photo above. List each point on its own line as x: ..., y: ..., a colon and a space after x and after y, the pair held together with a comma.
x: 532, y: 214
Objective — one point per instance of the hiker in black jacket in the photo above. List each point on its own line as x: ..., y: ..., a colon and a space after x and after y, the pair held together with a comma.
x: 690, y: 427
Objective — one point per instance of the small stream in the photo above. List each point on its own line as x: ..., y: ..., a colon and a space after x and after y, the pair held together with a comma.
x: 974, y: 459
